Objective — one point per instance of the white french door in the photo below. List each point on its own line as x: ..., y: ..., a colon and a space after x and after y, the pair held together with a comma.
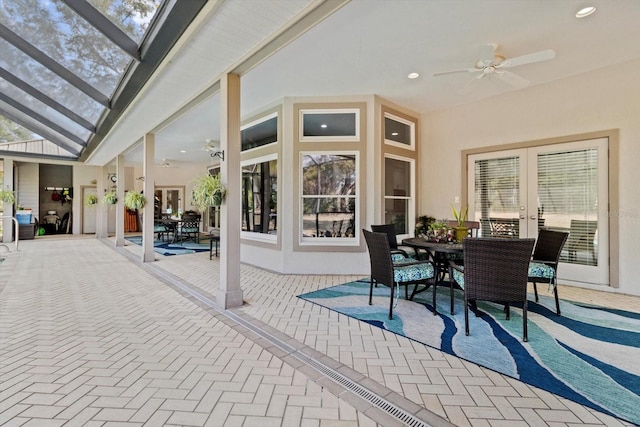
x: 560, y: 186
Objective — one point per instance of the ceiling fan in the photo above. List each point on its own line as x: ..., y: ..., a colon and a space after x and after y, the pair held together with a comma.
x: 167, y: 164
x: 492, y: 63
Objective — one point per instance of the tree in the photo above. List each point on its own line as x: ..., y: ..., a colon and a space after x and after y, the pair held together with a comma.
x: 10, y: 131
x: 59, y: 32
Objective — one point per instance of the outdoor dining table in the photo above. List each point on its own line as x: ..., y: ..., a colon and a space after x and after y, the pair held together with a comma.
x: 437, y: 251
x: 440, y: 253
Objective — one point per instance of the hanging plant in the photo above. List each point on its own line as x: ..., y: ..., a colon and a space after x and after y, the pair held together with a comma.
x: 208, y: 191
x: 110, y: 198
x: 134, y: 200
x: 8, y: 196
x: 91, y: 200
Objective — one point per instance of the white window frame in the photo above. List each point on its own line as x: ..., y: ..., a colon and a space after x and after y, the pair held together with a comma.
x: 411, y: 124
x: 260, y: 237
x: 411, y: 205
x: 329, y: 241
x: 342, y: 138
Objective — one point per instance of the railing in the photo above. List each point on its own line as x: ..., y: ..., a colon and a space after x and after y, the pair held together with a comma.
x: 16, y: 233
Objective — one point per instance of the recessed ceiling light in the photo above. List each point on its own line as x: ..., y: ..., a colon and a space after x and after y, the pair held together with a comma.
x: 183, y: 151
x: 413, y: 75
x: 323, y: 125
x: 585, y: 11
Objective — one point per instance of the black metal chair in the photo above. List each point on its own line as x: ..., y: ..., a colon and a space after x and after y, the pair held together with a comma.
x: 190, y: 230
x: 390, y: 231
x: 395, y: 274
x: 543, y: 267
x: 495, y: 269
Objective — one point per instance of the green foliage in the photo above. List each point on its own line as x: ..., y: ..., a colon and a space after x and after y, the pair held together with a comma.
x: 8, y: 196
x: 134, y: 200
x: 423, y: 223
x: 461, y: 217
x: 207, y: 191
x: 110, y: 198
x: 91, y: 200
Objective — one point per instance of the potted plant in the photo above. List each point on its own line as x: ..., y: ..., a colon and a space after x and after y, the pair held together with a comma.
x: 461, y: 230
x: 110, y: 198
x: 91, y: 200
x: 8, y: 196
x: 439, y: 230
x: 207, y: 191
x: 423, y: 223
x: 134, y: 200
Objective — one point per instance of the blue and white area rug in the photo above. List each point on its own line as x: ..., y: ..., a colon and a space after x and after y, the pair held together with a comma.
x: 590, y: 354
x: 180, y: 248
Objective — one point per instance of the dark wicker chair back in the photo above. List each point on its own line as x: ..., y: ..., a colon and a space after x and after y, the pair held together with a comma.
x: 496, y: 269
x: 549, y: 246
x: 390, y: 231
x: 547, y: 251
x: 380, y: 257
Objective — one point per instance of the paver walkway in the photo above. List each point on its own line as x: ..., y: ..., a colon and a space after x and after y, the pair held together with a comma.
x: 90, y: 337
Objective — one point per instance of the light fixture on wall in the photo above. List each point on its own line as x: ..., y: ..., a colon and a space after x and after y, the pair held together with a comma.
x: 140, y: 178
x: 112, y: 177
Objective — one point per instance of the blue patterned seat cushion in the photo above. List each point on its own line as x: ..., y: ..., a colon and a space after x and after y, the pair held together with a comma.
x: 458, y: 276
x: 398, y: 258
x: 412, y: 272
x: 541, y: 270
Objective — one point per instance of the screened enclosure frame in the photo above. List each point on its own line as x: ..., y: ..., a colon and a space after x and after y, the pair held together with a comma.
x: 59, y: 94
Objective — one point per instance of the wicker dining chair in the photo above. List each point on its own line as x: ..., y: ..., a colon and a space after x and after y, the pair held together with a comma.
x: 543, y: 267
x: 390, y: 231
x: 495, y: 269
x: 396, y: 274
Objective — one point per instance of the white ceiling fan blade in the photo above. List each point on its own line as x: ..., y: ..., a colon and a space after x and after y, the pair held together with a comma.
x: 512, y: 79
x: 543, y: 55
x: 466, y: 88
x: 466, y: 70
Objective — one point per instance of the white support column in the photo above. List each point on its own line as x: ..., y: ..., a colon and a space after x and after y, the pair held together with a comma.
x: 148, y: 171
x: 101, y: 212
x: 121, y: 185
x: 229, y: 293
x: 7, y: 184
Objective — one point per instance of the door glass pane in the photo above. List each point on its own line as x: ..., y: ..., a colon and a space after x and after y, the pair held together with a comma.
x: 568, y: 200
x: 497, y: 196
